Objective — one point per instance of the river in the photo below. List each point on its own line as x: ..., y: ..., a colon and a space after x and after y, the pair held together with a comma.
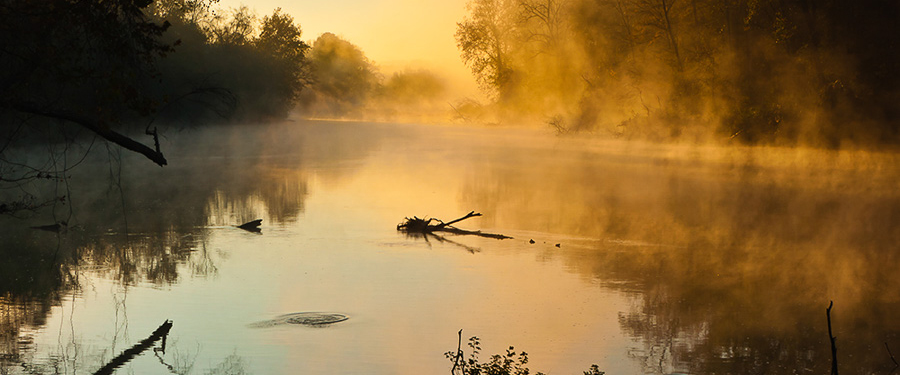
x: 639, y: 258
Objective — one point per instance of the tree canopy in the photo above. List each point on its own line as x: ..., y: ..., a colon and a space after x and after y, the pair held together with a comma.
x: 760, y: 71
x: 485, y: 39
x: 343, y: 77
x: 84, y: 63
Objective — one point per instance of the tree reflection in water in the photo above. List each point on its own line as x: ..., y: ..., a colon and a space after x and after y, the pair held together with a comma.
x: 733, y: 253
x: 150, y: 226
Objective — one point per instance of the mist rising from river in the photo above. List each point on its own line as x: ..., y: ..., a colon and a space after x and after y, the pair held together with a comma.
x: 729, y: 254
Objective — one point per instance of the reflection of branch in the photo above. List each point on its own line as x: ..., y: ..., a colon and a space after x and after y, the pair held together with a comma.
x: 892, y: 355
x: 441, y: 239
x: 834, y: 365
x: 470, y: 249
x: 181, y: 366
x: 163, y: 362
x: 130, y: 353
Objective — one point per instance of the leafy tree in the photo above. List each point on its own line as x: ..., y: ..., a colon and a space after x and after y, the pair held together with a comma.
x: 411, y: 86
x: 80, y: 62
x: 281, y: 38
x: 756, y: 71
x: 343, y: 77
x: 246, y: 69
x: 72, y: 69
x: 235, y: 30
x: 186, y: 11
x: 486, y: 41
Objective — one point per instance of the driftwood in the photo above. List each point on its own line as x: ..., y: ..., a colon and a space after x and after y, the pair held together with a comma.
x: 130, y: 353
x: 431, y: 225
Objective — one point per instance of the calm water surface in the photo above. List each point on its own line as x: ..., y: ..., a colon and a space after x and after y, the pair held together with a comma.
x: 671, y: 259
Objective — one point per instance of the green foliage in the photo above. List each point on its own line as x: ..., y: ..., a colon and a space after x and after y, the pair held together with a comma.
x: 261, y: 63
x: 344, y: 78
x: 509, y: 363
x: 485, y: 41
x: 184, y: 11
x: 238, y: 29
x: 281, y: 38
x: 758, y: 71
x: 83, y: 56
x: 413, y: 86
x: 594, y: 370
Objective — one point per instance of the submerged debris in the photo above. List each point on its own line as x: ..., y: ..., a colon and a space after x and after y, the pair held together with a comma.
x: 431, y: 225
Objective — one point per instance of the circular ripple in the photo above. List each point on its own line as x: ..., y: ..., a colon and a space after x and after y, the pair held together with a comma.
x: 316, y: 319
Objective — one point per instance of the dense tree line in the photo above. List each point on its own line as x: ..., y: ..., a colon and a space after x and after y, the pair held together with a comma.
x: 75, y: 72
x: 783, y: 71
x: 272, y: 70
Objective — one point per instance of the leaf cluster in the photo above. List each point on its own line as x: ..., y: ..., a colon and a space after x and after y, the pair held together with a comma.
x: 508, y: 363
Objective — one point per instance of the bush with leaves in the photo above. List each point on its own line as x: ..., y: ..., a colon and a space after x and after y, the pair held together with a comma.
x: 509, y: 363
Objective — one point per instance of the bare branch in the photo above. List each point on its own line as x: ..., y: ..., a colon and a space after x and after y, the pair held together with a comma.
x: 95, y: 126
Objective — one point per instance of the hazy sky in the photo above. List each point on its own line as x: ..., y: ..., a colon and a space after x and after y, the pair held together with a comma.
x: 393, y: 33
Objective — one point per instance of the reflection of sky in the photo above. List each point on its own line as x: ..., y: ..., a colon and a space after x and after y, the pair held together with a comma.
x: 406, y: 301
x: 661, y: 222
x: 392, y: 33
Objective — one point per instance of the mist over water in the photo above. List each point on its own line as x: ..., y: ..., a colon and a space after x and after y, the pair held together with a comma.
x: 682, y: 187
x: 671, y: 258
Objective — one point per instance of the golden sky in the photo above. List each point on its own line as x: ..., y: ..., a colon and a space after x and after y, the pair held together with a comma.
x: 395, y: 34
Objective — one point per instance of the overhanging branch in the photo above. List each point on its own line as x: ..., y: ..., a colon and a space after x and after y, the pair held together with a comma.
x: 95, y: 126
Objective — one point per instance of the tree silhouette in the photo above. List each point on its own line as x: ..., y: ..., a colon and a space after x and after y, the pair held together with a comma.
x: 81, y: 62
x: 485, y: 40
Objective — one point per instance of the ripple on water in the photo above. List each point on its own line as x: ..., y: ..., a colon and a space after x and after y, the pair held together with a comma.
x: 315, y: 319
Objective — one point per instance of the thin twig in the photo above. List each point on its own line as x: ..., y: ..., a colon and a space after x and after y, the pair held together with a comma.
x: 468, y: 215
x: 834, y: 365
x: 458, y: 361
x: 891, y: 354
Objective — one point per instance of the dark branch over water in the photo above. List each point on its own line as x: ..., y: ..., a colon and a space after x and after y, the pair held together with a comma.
x: 97, y: 127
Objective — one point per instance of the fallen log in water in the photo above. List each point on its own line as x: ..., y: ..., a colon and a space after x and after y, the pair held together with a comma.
x: 431, y: 225
x: 130, y: 353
